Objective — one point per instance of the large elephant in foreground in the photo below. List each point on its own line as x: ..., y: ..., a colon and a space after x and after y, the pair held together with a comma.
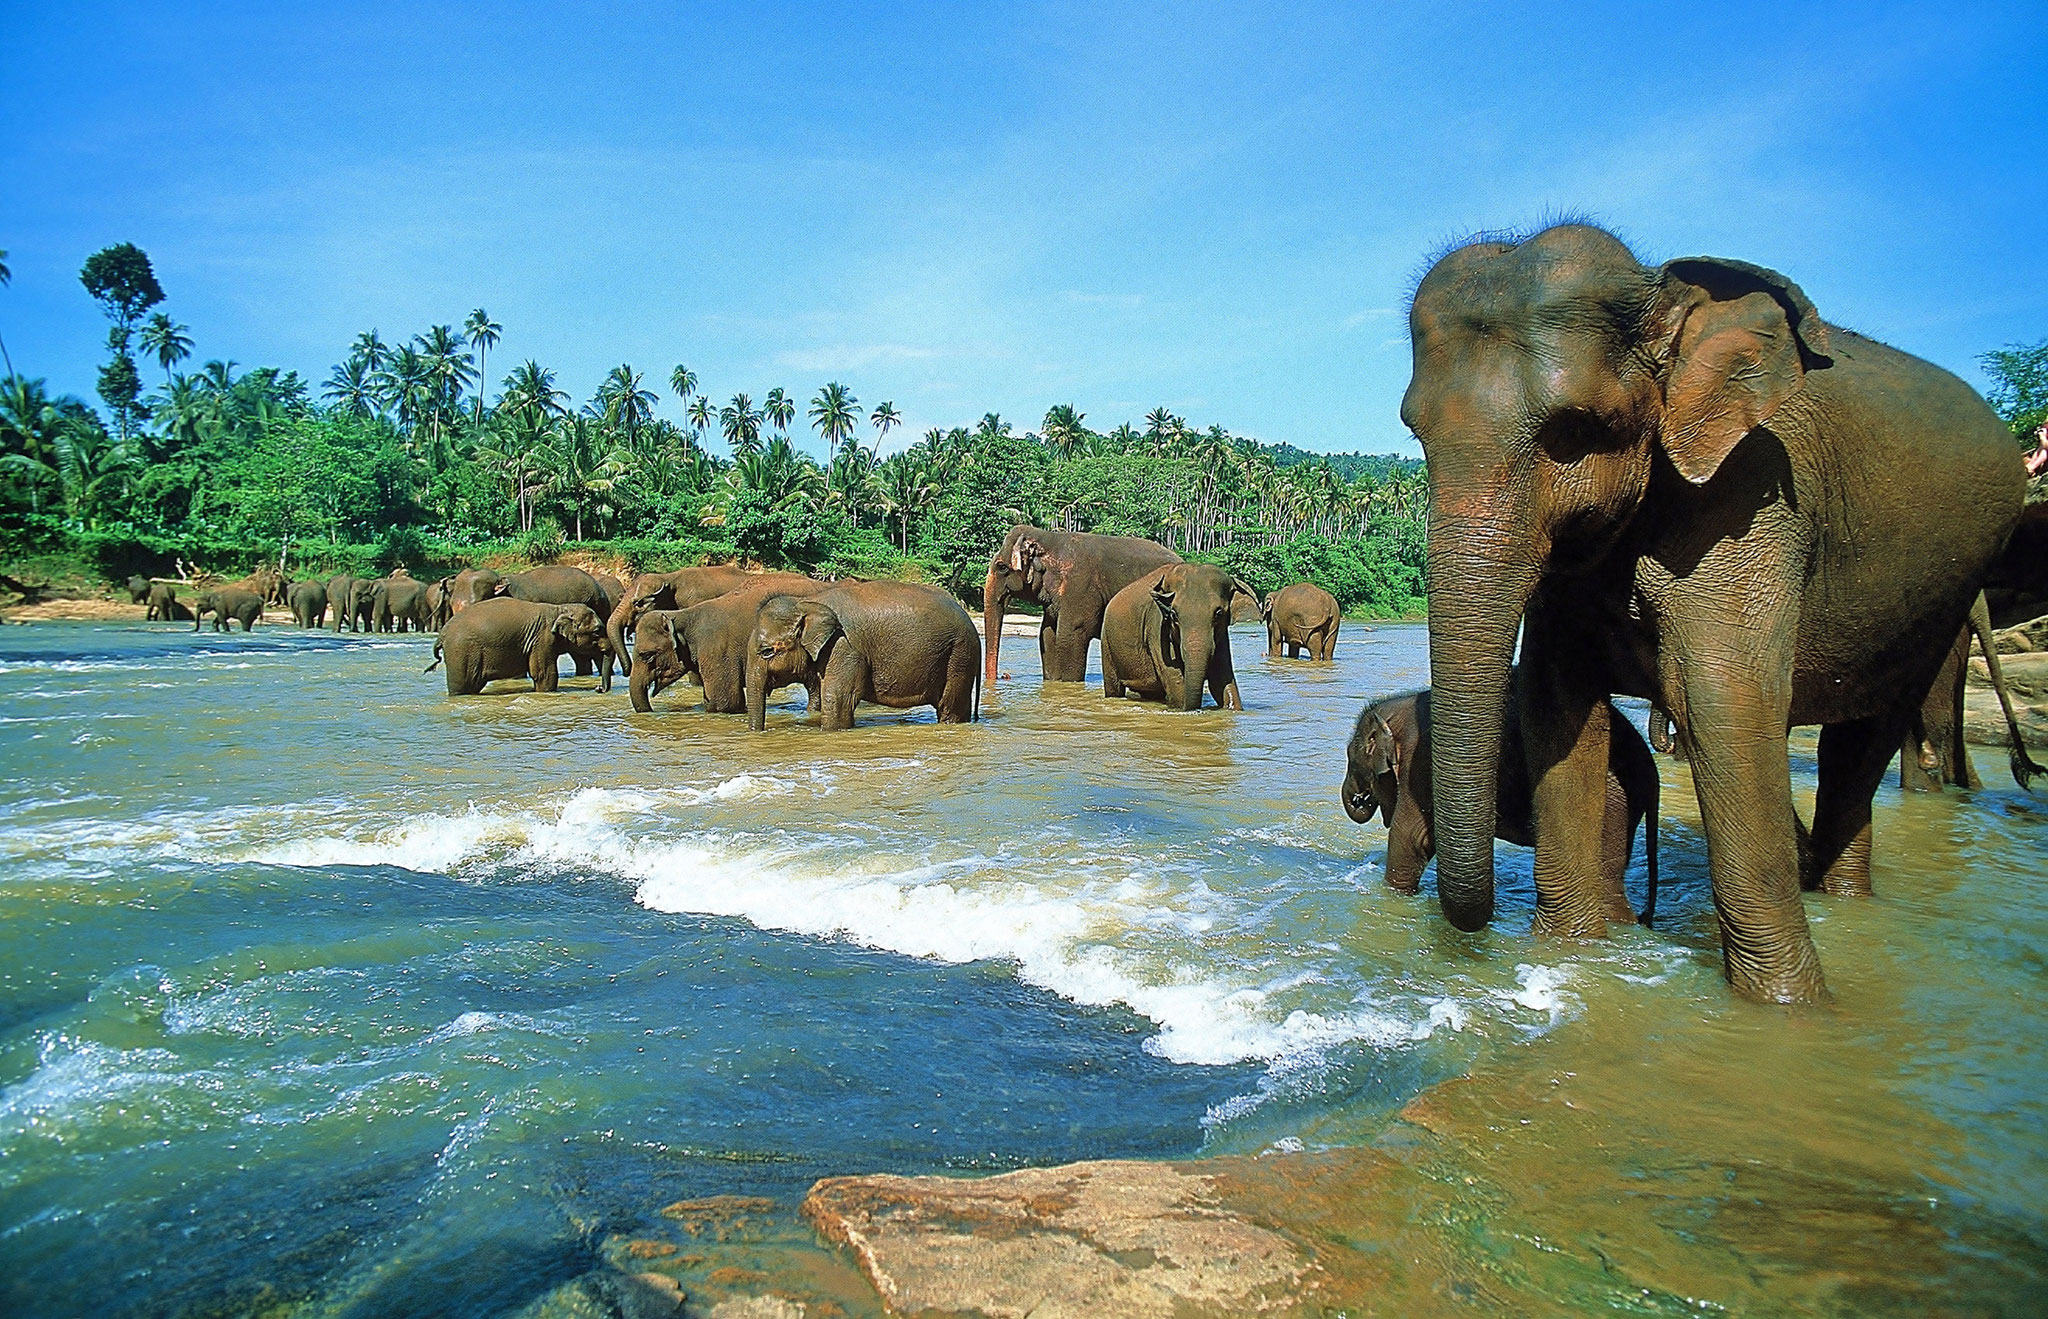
x: 1389, y: 768
x: 1167, y: 633
x: 559, y: 584
x: 897, y: 644
x: 1073, y: 574
x: 708, y: 641
x: 1676, y: 482
x: 507, y: 638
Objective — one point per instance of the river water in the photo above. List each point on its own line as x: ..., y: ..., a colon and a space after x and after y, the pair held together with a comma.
x: 323, y: 993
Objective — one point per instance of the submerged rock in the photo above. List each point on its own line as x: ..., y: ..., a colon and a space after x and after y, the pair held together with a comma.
x: 1112, y: 1238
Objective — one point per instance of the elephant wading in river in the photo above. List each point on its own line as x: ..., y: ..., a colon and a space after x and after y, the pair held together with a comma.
x: 138, y: 589
x: 225, y: 603
x: 1678, y: 483
x: 559, y: 584
x: 1388, y: 769
x: 1935, y: 752
x: 1301, y: 617
x: 507, y: 638
x: 341, y: 590
x: 397, y: 603
x: 897, y: 644
x: 164, y: 606
x: 707, y: 641
x: 308, y: 602
x: 675, y: 590
x: 1167, y: 633
x: 1073, y: 574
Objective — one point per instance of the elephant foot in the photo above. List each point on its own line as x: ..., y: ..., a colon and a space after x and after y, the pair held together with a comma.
x: 1795, y: 984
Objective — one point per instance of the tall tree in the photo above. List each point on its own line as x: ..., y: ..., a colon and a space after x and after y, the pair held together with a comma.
x: 834, y: 414
x: 2019, y: 386
x: 779, y: 408
x: 742, y: 424
x: 700, y: 413
x: 624, y: 405
x: 119, y: 278
x: 482, y: 333
x: 684, y: 382
x: 166, y: 341
x: 884, y: 419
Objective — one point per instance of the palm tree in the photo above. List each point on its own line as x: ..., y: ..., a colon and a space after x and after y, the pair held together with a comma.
x: 904, y: 482
x: 482, y: 333
x: 684, y: 382
x: 580, y: 467
x: 31, y: 436
x: 371, y: 349
x: 700, y: 414
x: 741, y: 423
x: 779, y: 408
x: 991, y: 426
x: 884, y: 419
x: 350, y: 388
x: 1063, y: 432
x: 167, y: 341
x: 95, y: 470
x: 834, y: 414
x: 531, y: 386
x: 624, y: 404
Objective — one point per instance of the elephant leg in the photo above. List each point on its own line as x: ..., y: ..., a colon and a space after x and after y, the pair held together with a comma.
x: 1048, y: 634
x: 1409, y: 846
x: 1617, y: 840
x: 1070, y: 653
x: 1112, y: 684
x: 584, y: 667
x: 1743, y: 780
x: 541, y: 667
x: 1329, y: 651
x: 1272, y: 641
x: 1853, y: 759
x: 846, y: 677
x: 1566, y: 742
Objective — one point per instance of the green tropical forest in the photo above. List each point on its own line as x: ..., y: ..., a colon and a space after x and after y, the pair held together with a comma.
x: 405, y: 455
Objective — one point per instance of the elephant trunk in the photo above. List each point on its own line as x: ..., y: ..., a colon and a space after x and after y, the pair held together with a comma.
x: 1196, y: 650
x: 639, y: 684
x: 757, y: 692
x: 993, y: 601
x: 1475, y: 607
x: 1358, y: 804
x: 615, y: 627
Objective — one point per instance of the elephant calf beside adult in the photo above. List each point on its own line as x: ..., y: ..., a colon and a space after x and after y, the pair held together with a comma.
x: 1389, y: 769
x: 671, y: 590
x: 164, y: 605
x: 560, y: 584
x: 708, y: 641
x: 897, y: 644
x: 507, y: 638
x: 1073, y: 574
x: 1167, y: 633
x: 1678, y: 483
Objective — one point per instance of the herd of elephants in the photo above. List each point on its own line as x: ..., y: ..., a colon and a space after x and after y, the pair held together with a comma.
x: 1669, y: 482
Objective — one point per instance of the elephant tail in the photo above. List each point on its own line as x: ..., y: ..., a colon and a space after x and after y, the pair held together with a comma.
x: 977, y: 697
x: 2023, y: 767
x: 1649, y: 915
x: 437, y: 657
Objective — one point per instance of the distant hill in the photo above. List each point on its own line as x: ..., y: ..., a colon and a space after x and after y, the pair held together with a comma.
x: 1350, y: 466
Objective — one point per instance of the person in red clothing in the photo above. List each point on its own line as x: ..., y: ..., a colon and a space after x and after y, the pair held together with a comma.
x: 2037, y: 461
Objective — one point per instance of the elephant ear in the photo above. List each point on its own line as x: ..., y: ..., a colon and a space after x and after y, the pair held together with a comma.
x: 1738, y: 341
x: 563, y: 625
x: 1380, y: 750
x: 816, y: 625
x: 1238, y: 588
x: 1162, y: 596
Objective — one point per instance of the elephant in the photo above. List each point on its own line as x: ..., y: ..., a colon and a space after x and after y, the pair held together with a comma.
x: 398, y: 602
x: 1935, y: 753
x: 340, y: 598
x: 471, y: 585
x: 1388, y: 769
x: 164, y: 606
x: 1301, y: 617
x: 1679, y: 483
x: 670, y: 590
x: 436, y: 608
x: 138, y: 589
x: 309, y: 603
x: 559, y: 584
x: 708, y: 641
x: 898, y: 644
x: 614, y: 591
x: 511, y: 638
x: 1168, y: 632
x: 224, y: 603
x: 1073, y: 574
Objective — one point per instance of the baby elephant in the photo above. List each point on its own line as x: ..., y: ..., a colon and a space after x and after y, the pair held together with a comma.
x: 507, y: 638
x: 1301, y: 617
x: 1388, y: 769
x: 225, y: 603
x: 1168, y: 632
x: 892, y: 643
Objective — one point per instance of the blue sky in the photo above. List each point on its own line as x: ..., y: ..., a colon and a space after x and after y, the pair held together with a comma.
x: 998, y: 207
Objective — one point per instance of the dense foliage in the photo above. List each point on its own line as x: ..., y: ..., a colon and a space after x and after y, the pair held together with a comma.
x: 2019, y: 387
x: 400, y: 456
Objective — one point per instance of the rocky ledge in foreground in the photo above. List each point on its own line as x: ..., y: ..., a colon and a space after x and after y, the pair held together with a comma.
x: 1122, y: 1238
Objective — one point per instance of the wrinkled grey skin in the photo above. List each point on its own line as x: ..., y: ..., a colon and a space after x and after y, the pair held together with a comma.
x: 226, y: 603
x: 1073, y: 574
x: 559, y: 584
x: 399, y: 604
x: 308, y: 601
x: 1679, y: 483
x: 507, y: 638
x: 675, y: 590
x: 897, y: 644
x: 1168, y: 633
x: 708, y: 642
x: 1301, y: 617
x: 1388, y: 770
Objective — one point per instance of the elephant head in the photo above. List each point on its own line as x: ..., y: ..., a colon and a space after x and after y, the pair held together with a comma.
x: 790, y: 639
x: 1370, y: 759
x: 661, y: 657
x: 1194, y: 601
x: 1024, y: 568
x: 1550, y: 377
x: 577, y: 627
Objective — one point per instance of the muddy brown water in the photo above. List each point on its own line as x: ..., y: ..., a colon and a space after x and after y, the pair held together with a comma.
x: 319, y: 990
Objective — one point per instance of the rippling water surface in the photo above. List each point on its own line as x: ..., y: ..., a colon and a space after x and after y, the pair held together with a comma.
x: 322, y: 992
